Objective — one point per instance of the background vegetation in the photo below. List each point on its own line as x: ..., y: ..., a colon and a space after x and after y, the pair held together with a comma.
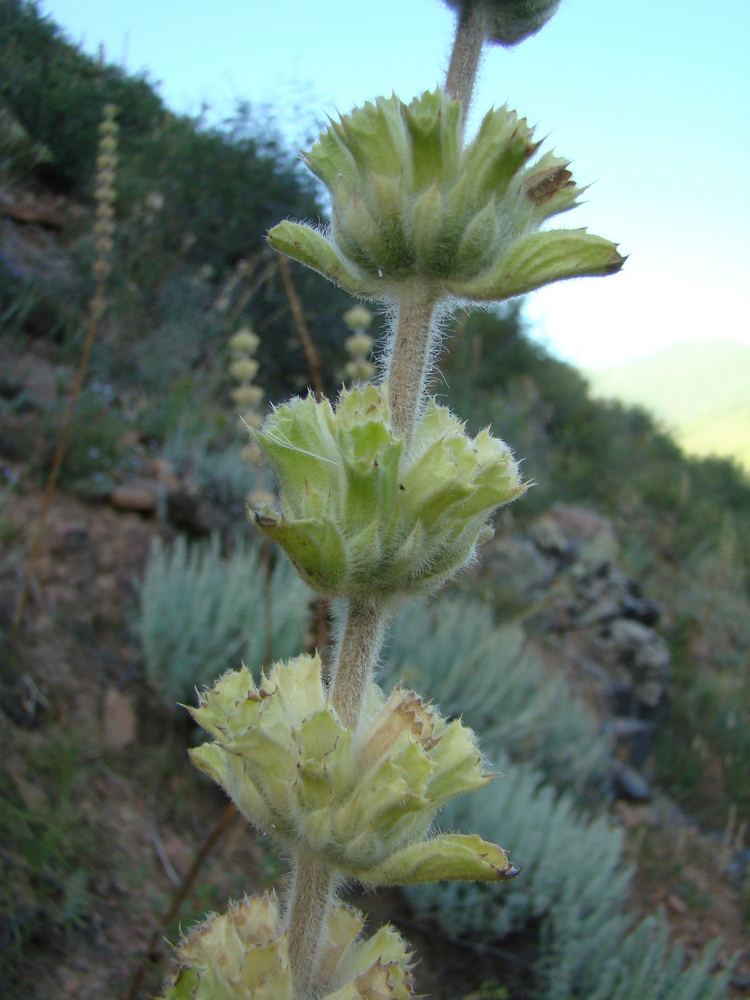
x: 190, y: 267
x: 698, y: 389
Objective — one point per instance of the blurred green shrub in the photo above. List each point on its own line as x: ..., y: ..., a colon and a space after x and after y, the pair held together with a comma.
x: 639, y: 966
x: 19, y: 154
x: 193, y: 200
x: 452, y: 651
x: 202, y: 613
x: 560, y: 852
x: 57, y: 94
x: 97, y: 455
x: 44, y: 876
x: 710, y: 643
x: 221, y: 186
x: 573, y: 887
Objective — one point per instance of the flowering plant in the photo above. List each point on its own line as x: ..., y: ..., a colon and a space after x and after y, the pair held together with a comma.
x: 383, y: 495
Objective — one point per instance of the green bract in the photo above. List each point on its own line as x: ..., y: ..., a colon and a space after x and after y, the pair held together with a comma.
x: 243, y: 955
x: 363, y: 806
x: 360, y: 517
x: 409, y: 202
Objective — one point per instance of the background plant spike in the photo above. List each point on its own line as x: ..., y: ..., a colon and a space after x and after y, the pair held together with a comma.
x: 103, y: 233
x: 359, y: 368
x: 244, y: 368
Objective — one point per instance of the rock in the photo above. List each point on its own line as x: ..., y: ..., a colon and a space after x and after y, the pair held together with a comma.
x: 632, y: 740
x: 593, y: 535
x: 620, y: 697
x: 675, y: 904
x: 119, y: 727
x: 549, y: 537
x: 644, y: 656
x: 70, y: 537
x: 188, y: 511
x: 627, y: 783
x: 140, y: 495
x: 35, y: 211
x: 635, y: 814
x: 519, y: 570
x: 641, y: 609
x: 604, y: 610
x: 578, y: 523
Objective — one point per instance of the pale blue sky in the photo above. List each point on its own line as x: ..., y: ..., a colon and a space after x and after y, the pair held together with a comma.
x: 649, y: 99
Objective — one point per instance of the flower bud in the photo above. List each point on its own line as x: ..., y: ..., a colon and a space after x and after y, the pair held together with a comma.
x: 293, y: 769
x: 359, y: 370
x: 410, y: 202
x: 509, y: 21
x: 250, y: 420
x: 244, y: 369
x: 360, y: 518
x: 260, y: 496
x: 154, y: 201
x: 239, y: 955
x: 247, y: 396
x: 358, y: 317
x: 251, y: 454
x: 244, y: 341
x: 243, y: 955
x: 359, y: 344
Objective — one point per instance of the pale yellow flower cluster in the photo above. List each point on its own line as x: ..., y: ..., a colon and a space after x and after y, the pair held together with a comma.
x: 359, y: 368
x: 243, y: 368
x: 106, y: 165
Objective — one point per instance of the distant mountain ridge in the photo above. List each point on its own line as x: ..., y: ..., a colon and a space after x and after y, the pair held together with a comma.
x: 700, y: 390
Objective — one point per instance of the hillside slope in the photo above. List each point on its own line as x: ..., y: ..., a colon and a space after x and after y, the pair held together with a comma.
x: 699, y: 389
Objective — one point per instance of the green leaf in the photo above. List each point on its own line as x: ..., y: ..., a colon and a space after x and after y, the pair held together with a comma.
x: 452, y: 857
x: 309, y: 247
x: 314, y: 547
x: 540, y: 259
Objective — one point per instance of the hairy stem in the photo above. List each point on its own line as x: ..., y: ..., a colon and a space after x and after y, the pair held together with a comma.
x: 409, y: 359
x: 471, y: 31
x: 356, y: 654
x: 308, y: 909
x: 361, y: 633
x: 313, y: 883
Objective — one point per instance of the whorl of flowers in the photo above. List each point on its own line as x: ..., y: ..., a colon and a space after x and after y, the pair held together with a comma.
x: 411, y: 203
x: 362, y: 803
x: 362, y: 517
x: 243, y: 955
